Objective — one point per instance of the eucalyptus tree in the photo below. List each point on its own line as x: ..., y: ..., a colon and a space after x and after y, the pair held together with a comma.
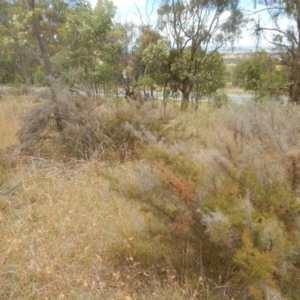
x: 18, y: 58
x: 156, y: 58
x: 85, y: 36
x: 283, y: 32
x: 6, y: 62
x: 260, y: 73
x: 147, y: 36
x: 211, y: 76
x: 37, y: 26
x: 125, y: 58
x: 136, y: 72
x: 193, y: 25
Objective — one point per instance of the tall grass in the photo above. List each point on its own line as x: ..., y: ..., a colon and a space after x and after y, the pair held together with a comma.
x: 11, y: 108
x: 66, y: 234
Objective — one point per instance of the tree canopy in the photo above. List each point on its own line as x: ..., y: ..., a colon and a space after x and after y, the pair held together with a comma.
x: 84, y: 46
x: 262, y: 74
x: 284, y: 37
x: 195, y: 27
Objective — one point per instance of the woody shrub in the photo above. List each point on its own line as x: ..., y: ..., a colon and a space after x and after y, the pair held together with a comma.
x: 92, y: 128
x: 235, y: 202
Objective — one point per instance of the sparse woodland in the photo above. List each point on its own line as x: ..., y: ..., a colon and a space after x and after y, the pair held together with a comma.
x: 128, y: 197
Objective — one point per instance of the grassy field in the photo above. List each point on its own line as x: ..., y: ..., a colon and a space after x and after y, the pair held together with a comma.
x: 77, y: 228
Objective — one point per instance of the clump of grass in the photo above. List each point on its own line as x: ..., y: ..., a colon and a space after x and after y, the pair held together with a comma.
x: 11, y: 108
x: 219, y: 100
x: 3, y: 175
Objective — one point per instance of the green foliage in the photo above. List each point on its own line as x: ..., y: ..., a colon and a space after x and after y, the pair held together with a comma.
x: 156, y: 59
x: 86, y: 31
x: 73, y: 35
x: 248, y: 75
x: 7, y: 70
x: 212, y: 75
x: 190, y: 40
x: 261, y: 74
x: 15, y: 62
x: 39, y: 77
x: 284, y: 39
x: 146, y: 81
x: 147, y: 37
x: 219, y: 99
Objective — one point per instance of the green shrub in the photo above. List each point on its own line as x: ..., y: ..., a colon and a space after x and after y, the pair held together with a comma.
x: 219, y: 99
x: 238, y: 206
x: 39, y: 77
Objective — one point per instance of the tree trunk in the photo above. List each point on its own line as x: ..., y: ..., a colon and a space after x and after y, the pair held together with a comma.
x: 186, y: 90
x: 185, y: 100
x: 164, y: 97
x: 294, y: 92
x: 47, y: 62
x: 294, y: 88
x: 197, y: 100
x: 151, y: 91
x: 96, y: 88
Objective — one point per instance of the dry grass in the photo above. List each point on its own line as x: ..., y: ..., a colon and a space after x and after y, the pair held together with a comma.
x: 11, y: 107
x: 65, y: 234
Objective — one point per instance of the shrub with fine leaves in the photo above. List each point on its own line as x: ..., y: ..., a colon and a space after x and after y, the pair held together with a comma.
x: 236, y: 201
x: 92, y: 128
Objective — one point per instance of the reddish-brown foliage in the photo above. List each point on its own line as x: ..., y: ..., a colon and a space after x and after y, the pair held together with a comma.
x: 182, y: 187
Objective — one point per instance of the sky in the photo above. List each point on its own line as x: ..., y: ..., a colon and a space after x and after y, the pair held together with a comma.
x: 133, y: 10
x: 130, y: 10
